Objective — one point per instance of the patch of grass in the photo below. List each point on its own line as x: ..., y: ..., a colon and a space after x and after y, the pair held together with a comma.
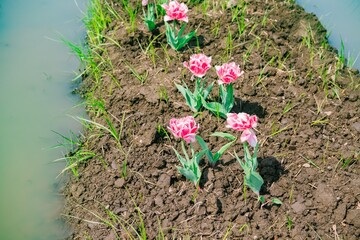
x: 289, y: 105
x: 74, y: 159
x: 229, y: 45
x: 311, y: 162
x: 261, y: 75
x: 248, y: 52
x: 215, y: 29
x: 289, y: 222
x: 131, y: 13
x: 163, y: 95
x: 140, y: 77
x: 320, y: 121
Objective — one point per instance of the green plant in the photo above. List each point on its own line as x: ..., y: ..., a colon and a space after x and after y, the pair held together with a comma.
x: 131, y: 15
x: 163, y: 95
x: 194, y: 99
x: 74, y: 159
x: 289, y: 222
x: 175, y: 38
x: 213, y: 158
x: 229, y: 44
x: 228, y: 73
x: 141, y: 77
x: 190, y: 166
x: 215, y: 29
x: 249, y: 165
x: 240, y: 18
x: 261, y: 75
x: 149, y: 16
x: 248, y: 52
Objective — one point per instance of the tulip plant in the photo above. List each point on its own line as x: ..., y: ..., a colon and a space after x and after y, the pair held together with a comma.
x: 213, y: 158
x: 186, y: 129
x: 149, y: 17
x: 198, y: 65
x: 227, y: 73
x: 176, y: 12
x: 154, y: 10
x: 245, y: 123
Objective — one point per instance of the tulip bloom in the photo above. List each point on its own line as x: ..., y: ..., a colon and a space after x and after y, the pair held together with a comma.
x: 241, y: 121
x: 175, y: 11
x: 184, y: 128
x: 228, y: 72
x: 199, y: 64
x: 249, y: 136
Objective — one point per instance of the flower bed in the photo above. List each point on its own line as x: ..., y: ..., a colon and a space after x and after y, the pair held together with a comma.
x: 306, y: 127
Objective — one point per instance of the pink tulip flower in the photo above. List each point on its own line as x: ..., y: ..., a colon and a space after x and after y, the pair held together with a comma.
x: 228, y: 73
x: 249, y: 136
x: 144, y: 3
x: 199, y: 64
x: 241, y: 121
x: 184, y: 128
x: 175, y: 11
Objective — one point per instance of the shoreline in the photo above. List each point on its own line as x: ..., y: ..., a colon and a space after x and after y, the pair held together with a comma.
x: 294, y: 82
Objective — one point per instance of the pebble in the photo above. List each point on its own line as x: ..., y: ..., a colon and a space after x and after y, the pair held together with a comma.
x: 356, y: 126
x: 158, y: 201
x: 298, y: 207
x: 325, y: 196
x: 164, y: 180
x: 119, y: 183
x: 306, y: 165
x: 353, y: 217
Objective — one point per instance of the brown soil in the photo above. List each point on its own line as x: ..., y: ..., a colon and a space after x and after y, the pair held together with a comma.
x: 304, y: 165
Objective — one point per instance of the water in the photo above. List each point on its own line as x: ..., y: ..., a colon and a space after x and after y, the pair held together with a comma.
x: 341, y: 18
x: 35, y: 98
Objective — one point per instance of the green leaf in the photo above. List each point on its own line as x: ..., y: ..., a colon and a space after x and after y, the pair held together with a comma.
x: 150, y: 25
x: 184, y: 150
x: 254, y: 181
x: 224, y: 135
x: 189, y: 97
x: 229, y: 99
x: 261, y: 199
x: 188, y: 174
x: 254, y: 157
x: 205, y: 147
x: 199, y: 155
x: 276, y: 201
x: 207, y: 91
x: 182, y: 160
x: 170, y: 36
x: 222, y: 150
x: 215, y: 107
x: 242, y: 164
x: 182, y: 28
x: 182, y: 41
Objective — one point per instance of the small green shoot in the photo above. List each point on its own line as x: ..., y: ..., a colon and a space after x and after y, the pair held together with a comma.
x: 289, y: 222
x: 321, y: 121
x: 141, y: 77
x: 311, y: 162
x: 163, y: 95
x: 288, y: 107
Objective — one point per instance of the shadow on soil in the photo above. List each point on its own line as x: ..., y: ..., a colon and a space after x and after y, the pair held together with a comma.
x: 271, y: 170
x: 249, y: 108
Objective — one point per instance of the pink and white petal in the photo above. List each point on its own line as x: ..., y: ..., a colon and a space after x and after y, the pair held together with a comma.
x: 167, y: 18
x: 185, y: 19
